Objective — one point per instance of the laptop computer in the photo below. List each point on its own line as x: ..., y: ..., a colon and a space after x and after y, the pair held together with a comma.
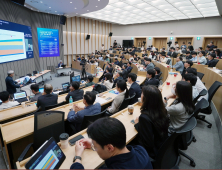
x: 20, y: 97
x: 41, y: 90
x: 65, y: 86
x: 76, y: 78
x: 64, y: 65
x: 48, y: 156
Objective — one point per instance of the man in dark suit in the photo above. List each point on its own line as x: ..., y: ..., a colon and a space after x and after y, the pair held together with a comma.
x: 151, y: 80
x: 129, y: 68
x: 124, y: 72
x: 118, y: 76
x: 188, y: 56
x: 11, y: 85
x: 187, y: 64
x: 75, y: 92
x: 116, y: 62
x: 60, y: 63
x: 134, y: 88
x: 47, y: 99
x: 157, y: 73
x: 211, y: 61
x: 173, y: 53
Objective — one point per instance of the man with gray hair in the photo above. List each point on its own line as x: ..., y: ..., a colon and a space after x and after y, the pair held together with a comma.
x: 60, y: 63
x: 47, y: 98
x: 11, y: 85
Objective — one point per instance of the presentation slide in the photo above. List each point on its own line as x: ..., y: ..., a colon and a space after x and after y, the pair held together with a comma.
x: 15, y: 42
x: 48, y: 40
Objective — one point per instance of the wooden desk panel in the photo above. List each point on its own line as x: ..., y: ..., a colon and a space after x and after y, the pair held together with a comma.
x: 200, y: 68
x: 219, y: 64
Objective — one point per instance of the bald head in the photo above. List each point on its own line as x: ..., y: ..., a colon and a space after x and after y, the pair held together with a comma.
x: 48, y: 88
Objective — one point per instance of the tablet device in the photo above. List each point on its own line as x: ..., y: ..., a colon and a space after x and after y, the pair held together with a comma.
x: 49, y: 156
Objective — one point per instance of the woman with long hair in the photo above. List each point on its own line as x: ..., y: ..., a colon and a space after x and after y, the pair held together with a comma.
x: 121, y: 87
x: 218, y: 53
x: 108, y: 81
x: 182, y: 107
x: 152, y: 125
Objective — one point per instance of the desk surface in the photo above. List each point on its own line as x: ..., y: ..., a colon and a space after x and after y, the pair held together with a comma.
x: 90, y: 158
x: 40, y: 74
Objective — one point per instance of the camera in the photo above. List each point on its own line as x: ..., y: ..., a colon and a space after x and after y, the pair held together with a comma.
x: 169, y: 43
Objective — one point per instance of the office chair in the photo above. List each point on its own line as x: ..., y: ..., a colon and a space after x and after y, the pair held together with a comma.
x: 216, y: 61
x: 125, y: 103
x: 160, y: 78
x: 47, y: 124
x: 114, y: 51
x: 182, y: 139
x: 111, y: 55
x: 54, y: 106
x: 202, y: 93
x: 87, y: 120
x: 200, y: 75
x: 212, y: 90
x: 103, y: 67
x: 121, y: 63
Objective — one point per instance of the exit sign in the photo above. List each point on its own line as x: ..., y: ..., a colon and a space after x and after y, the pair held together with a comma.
x: 171, y: 38
x: 131, y: 38
x: 150, y: 38
x: 198, y: 38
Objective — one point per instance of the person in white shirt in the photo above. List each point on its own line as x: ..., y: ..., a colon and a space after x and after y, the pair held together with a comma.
x: 176, y: 45
x: 4, y: 97
x: 131, y: 57
x: 107, y: 54
x: 153, y: 48
x: 142, y: 48
x: 102, y: 48
x: 121, y: 87
x: 108, y: 81
x: 163, y: 58
x: 201, y: 58
x: 192, y: 79
x: 178, y: 51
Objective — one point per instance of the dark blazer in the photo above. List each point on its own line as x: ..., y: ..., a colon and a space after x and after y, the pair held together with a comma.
x: 125, y: 74
x: 212, y: 63
x: 157, y: 76
x: 148, y: 136
x: 60, y: 65
x: 129, y: 69
x: 189, y: 57
x: 115, y: 81
x: 152, y: 81
x: 116, y: 63
x: 76, y: 95
x: 11, y: 85
x: 135, y: 88
x: 47, y: 100
x: 174, y: 55
x: 190, y: 48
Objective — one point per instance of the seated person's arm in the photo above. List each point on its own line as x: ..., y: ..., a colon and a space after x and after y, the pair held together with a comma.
x: 74, y: 116
x: 67, y: 97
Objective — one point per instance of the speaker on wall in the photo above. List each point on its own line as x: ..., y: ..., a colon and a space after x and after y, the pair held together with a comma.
x: 63, y: 20
x: 110, y: 34
x: 87, y: 37
x: 19, y: 2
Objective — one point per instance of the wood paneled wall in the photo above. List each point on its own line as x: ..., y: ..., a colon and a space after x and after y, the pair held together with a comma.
x: 74, y: 37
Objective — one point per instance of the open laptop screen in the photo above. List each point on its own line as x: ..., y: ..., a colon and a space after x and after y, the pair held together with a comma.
x: 41, y: 90
x: 76, y: 78
x: 19, y: 95
x: 65, y: 85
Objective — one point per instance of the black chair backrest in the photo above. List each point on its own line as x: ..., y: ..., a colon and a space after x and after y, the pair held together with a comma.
x: 200, y: 75
x: 29, y: 74
x: 125, y: 103
x: 202, y: 93
x: 142, y: 62
x: 47, y: 124
x: 87, y: 120
x: 63, y: 92
x: 202, y: 104
x: 168, y: 61
x: 114, y: 51
x: 216, y: 61
x: 212, y: 90
x: 56, y: 105
x: 121, y: 63
x: 35, y: 72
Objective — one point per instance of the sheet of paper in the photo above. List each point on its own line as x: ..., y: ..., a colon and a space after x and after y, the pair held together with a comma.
x: 100, y: 100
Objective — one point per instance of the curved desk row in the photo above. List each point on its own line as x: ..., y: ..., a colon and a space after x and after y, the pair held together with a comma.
x: 90, y: 158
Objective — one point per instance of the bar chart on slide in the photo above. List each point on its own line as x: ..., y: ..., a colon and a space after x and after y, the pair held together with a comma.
x: 49, y: 163
x: 11, y: 47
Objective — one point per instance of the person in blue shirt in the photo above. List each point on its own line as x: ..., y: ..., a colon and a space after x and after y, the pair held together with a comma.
x: 60, y: 63
x: 194, y: 57
x: 183, y: 47
x: 179, y: 66
x: 78, y: 58
x: 129, y: 68
x: 116, y: 62
x: 11, y: 85
x: 110, y: 145
x: 77, y: 114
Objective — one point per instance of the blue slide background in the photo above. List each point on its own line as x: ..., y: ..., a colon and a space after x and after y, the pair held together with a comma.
x: 48, y: 41
x: 6, y: 25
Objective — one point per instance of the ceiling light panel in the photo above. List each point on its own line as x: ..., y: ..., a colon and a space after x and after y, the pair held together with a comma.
x: 143, y: 11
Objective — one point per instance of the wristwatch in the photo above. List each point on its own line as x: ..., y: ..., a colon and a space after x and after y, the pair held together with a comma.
x: 77, y: 157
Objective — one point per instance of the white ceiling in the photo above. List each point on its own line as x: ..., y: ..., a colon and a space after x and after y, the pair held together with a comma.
x: 69, y: 8
x: 144, y: 11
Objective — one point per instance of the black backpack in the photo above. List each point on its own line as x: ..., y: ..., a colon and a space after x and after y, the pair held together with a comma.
x: 99, y: 88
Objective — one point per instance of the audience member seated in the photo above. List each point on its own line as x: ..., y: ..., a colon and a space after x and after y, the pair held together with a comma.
x: 201, y: 58
x: 110, y: 144
x: 35, y: 91
x: 152, y: 125
x: 129, y: 68
x: 188, y: 56
x: 169, y: 52
x: 134, y: 88
x: 108, y: 82
x: 183, y: 47
x: 96, y: 52
x: 89, y: 81
x: 149, y: 64
x: 182, y: 107
x: 157, y: 72
x: 135, y: 58
x: 121, y: 87
x: 122, y: 56
x: 199, y: 84
x: 100, y: 57
x: 187, y: 64
x: 178, y: 51
x: 163, y: 58
x: 116, y: 62
x: 194, y: 57
x: 151, y: 80
x: 179, y: 66
x: 131, y: 57
x: 200, y: 49
x: 60, y: 63
x: 118, y: 76
x: 124, y: 72
x: 75, y: 92
x: 110, y: 48
x: 190, y: 47
x: 173, y: 53
x: 192, y: 79
x: 4, y: 97
x: 218, y: 54
x: 78, y: 58
x: 77, y: 114
x: 47, y: 98
x: 211, y: 60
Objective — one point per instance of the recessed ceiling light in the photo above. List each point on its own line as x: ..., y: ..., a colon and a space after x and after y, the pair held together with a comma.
x: 67, y: 15
x: 70, y: 2
x: 96, y: 6
x: 98, y: 0
x: 76, y: 13
x: 49, y: 7
x: 41, y: 2
x: 87, y: 10
x: 75, y: 8
x: 55, y: 11
x: 24, y: 5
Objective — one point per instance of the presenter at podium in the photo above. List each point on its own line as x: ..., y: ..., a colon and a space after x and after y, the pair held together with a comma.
x: 60, y: 63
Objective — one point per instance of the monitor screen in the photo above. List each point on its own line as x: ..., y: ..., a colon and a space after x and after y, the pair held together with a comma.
x: 76, y: 78
x: 128, y: 43
x: 41, y: 90
x: 15, y: 42
x: 19, y: 95
x: 65, y: 85
x: 0, y: 102
x: 48, y: 40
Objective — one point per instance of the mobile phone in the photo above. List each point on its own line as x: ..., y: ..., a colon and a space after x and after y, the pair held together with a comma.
x: 73, y: 140
x: 132, y: 121
x: 109, y: 98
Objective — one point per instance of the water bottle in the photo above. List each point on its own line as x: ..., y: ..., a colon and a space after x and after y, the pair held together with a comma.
x: 70, y: 102
x: 32, y: 74
x: 38, y: 72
